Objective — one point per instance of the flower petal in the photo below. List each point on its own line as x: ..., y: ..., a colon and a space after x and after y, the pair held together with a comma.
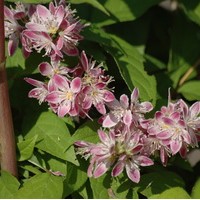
x: 133, y: 174
x: 127, y: 119
x: 76, y: 85
x: 145, y: 161
x: 175, y: 146
x: 118, y: 169
x: 45, y: 69
x: 124, y: 101
x: 100, y: 170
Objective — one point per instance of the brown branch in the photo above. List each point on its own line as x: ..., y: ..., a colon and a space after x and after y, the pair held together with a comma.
x: 188, y: 73
x: 7, y: 138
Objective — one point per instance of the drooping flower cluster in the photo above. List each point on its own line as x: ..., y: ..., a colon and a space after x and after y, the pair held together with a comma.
x: 73, y: 91
x: 131, y: 139
x: 54, y: 31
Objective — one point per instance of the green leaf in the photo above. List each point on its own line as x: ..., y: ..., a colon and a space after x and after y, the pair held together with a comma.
x: 129, y: 61
x: 157, y: 182
x: 196, y: 190
x: 190, y: 90
x: 131, y: 66
x: 76, y: 177
x: 26, y: 148
x: 185, y: 49
x: 48, y: 162
x: 101, y: 187
x: 53, y: 135
x: 172, y: 193
x: 122, y: 11
x: 8, y: 185
x: 41, y: 186
x: 122, y: 188
x: 94, y: 3
x: 191, y: 9
x: 87, y: 132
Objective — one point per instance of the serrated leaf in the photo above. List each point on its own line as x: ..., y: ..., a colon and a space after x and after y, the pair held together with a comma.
x: 26, y: 148
x: 157, y: 182
x: 53, y: 135
x: 8, y: 185
x: 190, y: 90
x: 41, y: 186
x: 87, y: 132
x: 94, y: 3
x: 196, y: 190
x: 172, y: 193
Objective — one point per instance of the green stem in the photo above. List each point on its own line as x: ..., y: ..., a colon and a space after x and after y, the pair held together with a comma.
x: 7, y: 138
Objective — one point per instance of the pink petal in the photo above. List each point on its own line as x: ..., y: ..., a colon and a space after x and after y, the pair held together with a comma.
x: 146, y: 107
x: 175, y: 146
x: 163, y: 135
x: 12, y: 46
x: 43, y: 12
x: 34, y: 82
x: 103, y: 137
x: 133, y: 174
x: 59, y: 15
x: 61, y: 82
x: 168, y: 121
x: 108, y: 96
x: 73, y: 51
x: 45, y: 69
x: 60, y: 43
x: 8, y: 14
x: 100, y: 170
x: 158, y: 115
x: 118, y: 168
x: 184, y: 106
x: 175, y: 116
x: 101, y: 108
x: 135, y: 95
x: 84, y: 60
x: 124, y: 101
x: 108, y: 122
x: 64, y: 109
x: 195, y: 109
x: 163, y: 156
x: 53, y: 98
x: 145, y: 161
x: 76, y: 85
x: 183, y: 151
x: 127, y: 119
x: 87, y: 103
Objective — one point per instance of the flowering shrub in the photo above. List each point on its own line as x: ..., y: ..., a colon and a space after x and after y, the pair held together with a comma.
x: 104, y: 126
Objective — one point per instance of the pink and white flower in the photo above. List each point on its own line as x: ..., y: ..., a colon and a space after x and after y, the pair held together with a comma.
x: 54, y: 30
x: 65, y: 95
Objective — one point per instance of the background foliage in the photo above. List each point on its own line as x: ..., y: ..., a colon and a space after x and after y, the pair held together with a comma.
x: 142, y: 45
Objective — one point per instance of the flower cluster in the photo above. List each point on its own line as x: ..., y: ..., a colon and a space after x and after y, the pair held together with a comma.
x: 54, y: 31
x: 73, y: 91
x: 129, y: 140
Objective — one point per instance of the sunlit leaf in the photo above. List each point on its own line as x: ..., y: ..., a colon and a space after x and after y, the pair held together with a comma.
x: 8, y: 185
x: 26, y: 148
x: 41, y: 186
